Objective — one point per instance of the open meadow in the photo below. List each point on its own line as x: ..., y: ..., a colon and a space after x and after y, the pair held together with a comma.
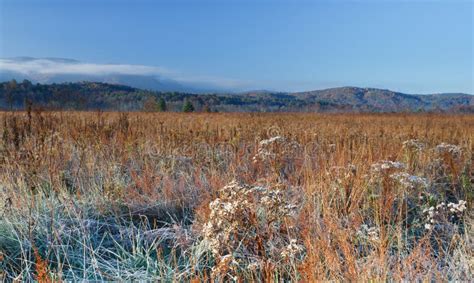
x: 244, y: 197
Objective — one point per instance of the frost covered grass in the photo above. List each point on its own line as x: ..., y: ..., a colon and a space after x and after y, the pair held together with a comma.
x: 230, y: 197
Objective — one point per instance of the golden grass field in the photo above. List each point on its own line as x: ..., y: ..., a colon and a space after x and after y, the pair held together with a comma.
x: 235, y: 197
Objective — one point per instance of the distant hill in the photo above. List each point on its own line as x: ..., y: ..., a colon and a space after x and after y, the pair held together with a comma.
x: 382, y: 100
x: 105, y: 96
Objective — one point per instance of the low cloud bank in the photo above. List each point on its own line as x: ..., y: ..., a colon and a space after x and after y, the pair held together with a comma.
x: 58, y: 66
x: 41, y: 67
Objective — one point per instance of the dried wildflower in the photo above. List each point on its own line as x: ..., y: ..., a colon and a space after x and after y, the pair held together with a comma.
x: 449, y: 149
x: 414, y: 145
x: 292, y: 250
x: 278, y: 204
x: 387, y: 166
x: 410, y: 181
x: 346, y: 171
x: 431, y: 215
x: 276, y: 148
x: 368, y: 233
x: 266, y: 150
x: 225, y: 263
x: 244, y: 213
x: 443, y: 214
x: 457, y: 208
x: 272, y: 140
x: 228, y: 259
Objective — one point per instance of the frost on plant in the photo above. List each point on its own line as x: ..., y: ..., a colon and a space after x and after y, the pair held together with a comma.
x: 448, y: 149
x: 292, y: 250
x: 275, y: 148
x: 443, y: 215
x: 386, y: 166
x: 267, y: 148
x: 410, y: 181
x: 252, y: 225
x: 368, y: 233
x: 414, y: 145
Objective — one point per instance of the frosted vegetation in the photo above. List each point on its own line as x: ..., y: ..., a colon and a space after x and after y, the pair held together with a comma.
x: 176, y: 197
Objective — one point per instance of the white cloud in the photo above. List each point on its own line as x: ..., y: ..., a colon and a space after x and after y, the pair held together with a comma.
x: 44, y: 67
x: 53, y: 67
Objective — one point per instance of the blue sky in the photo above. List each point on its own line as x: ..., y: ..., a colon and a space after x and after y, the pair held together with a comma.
x: 409, y: 46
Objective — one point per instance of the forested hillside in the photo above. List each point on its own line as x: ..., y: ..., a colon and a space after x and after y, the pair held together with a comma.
x: 94, y: 96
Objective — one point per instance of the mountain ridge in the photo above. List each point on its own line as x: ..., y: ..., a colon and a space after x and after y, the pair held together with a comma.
x: 97, y: 95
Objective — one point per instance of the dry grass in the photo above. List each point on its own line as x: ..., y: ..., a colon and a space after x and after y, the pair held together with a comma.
x: 198, y: 197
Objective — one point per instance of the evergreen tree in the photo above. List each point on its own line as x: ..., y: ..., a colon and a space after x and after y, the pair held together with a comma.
x: 188, y: 107
x: 162, y: 105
